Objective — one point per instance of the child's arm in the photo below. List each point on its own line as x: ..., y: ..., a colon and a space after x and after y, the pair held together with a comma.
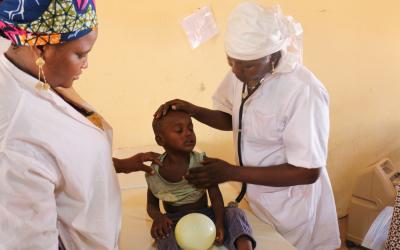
x: 161, y: 223
x: 217, y: 203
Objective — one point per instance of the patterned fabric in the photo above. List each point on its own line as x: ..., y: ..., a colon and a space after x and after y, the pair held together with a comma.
x: 393, y: 241
x: 41, y: 22
x: 96, y: 120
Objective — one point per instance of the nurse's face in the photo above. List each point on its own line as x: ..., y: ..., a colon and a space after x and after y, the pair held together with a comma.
x: 176, y: 132
x: 250, y: 71
x: 65, y: 62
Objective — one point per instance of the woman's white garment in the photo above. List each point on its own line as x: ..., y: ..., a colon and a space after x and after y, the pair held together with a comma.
x: 287, y: 121
x: 56, y: 171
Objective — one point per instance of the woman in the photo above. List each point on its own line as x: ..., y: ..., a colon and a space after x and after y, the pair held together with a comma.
x: 278, y: 111
x: 58, y: 187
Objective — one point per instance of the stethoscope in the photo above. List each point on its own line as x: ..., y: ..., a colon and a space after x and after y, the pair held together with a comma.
x: 239, y: 138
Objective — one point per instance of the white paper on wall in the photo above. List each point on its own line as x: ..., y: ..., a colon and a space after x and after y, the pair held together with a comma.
x: 200, y: 26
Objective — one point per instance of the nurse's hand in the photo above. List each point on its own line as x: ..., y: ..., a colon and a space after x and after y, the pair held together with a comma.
x: 136, y: 163
x: 213, y: 172
x: 175, y: 105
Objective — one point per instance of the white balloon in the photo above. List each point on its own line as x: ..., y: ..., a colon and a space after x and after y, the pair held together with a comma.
x: 195, y: 231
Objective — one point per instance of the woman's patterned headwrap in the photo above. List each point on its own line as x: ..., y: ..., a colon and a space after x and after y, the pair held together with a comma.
x: 41, y: 22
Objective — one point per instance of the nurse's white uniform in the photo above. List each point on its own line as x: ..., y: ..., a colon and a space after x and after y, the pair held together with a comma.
x: 56, y: 172
x: 287, y: 121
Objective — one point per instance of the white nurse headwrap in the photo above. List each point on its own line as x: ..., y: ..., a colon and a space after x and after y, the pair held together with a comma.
x: 254, y: 32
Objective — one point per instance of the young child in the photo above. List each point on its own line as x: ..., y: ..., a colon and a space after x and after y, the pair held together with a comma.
x: 174, y: 132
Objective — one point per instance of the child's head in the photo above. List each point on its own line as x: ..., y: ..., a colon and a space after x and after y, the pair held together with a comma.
x: 174, y: 132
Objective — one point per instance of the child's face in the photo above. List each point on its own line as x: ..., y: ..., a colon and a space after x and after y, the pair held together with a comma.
x: 177, y: 133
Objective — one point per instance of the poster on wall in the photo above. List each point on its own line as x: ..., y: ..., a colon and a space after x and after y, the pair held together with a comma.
x: 200, y: 26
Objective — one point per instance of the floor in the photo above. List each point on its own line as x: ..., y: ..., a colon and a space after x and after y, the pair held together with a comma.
x: 342, y: 229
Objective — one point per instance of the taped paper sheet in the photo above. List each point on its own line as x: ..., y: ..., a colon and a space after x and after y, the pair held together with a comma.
x: 200, y: 26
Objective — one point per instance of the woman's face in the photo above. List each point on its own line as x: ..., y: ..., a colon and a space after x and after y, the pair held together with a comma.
x: 65, y: 62
x: 250, y: 71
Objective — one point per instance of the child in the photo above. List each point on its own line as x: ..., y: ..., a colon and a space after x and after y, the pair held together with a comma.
x: 174, y: 132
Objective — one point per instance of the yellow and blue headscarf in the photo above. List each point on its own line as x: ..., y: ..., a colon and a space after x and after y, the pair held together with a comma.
x: 42, y: 22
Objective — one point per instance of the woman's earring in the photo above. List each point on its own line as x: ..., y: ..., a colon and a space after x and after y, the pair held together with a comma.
x: 273, y: 67
x: 41, y: 85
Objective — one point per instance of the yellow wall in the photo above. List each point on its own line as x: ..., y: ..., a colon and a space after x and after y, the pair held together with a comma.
x: 142, y: 59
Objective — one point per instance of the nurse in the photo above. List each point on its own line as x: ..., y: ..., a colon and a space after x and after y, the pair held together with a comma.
x: 58, y: 184
x: 278, y: 112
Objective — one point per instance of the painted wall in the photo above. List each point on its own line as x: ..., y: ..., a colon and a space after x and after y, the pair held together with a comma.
x: 142, y: 59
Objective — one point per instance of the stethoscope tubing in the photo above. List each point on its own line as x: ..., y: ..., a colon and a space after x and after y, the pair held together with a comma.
x: 239, y: 138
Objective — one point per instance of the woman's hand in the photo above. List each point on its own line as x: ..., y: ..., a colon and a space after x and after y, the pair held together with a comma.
x: 175, y: 105
x: 136, y: 163
x: 161, y: 227
x: 213, y: 172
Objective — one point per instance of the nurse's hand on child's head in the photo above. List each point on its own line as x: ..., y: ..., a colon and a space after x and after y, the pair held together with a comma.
x: 161, y: 227
x: 213, y: 172
x: 175, y: 104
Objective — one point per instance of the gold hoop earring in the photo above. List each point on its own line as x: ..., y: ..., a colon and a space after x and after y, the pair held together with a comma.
x: 41, y: 85
x: 273, y: 68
